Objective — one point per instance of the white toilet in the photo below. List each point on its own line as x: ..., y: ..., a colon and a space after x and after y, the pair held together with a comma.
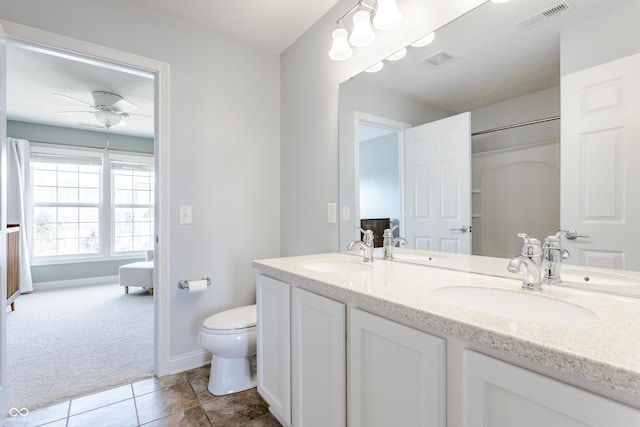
x: 230, y: 336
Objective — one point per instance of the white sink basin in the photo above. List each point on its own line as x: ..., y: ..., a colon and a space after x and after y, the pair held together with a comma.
x: 517, y: 305
x: 335, y: 266
x: 598, y: 280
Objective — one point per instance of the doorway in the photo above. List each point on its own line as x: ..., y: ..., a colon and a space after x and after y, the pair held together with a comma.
x: 38, y: 38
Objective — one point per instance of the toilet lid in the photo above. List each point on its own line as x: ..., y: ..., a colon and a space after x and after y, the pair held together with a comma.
x: 236, y: 318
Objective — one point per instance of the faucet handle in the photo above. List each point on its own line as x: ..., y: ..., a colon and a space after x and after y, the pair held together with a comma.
x: 367, y: 237
x: 531, y: 245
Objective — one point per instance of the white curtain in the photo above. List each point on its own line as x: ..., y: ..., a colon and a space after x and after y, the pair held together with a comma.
x: 19, y: 203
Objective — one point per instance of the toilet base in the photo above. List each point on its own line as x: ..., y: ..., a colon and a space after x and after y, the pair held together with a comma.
x: 229, y: 376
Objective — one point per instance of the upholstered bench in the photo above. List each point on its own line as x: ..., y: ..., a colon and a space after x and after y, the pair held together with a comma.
x: 138, y: 274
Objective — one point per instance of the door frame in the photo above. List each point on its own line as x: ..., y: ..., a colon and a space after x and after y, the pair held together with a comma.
x: 29, y: 35
x: 400, y: 127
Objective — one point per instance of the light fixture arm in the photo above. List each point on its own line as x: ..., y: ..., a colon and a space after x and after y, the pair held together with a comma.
x: 353, y: 9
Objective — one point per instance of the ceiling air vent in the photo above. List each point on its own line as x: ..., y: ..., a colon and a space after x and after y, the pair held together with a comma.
x: 439, y: 58
x: 544, y: 14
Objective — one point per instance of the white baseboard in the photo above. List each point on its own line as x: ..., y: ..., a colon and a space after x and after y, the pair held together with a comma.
x: 88, y: 281
x: 189, y: 361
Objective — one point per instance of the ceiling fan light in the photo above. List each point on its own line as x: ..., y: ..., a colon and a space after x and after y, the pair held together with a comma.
x: 362, y: 34
x: 424, y: 41
x: 387, y: 15
x: 340, y: 49
x: 107, y: 118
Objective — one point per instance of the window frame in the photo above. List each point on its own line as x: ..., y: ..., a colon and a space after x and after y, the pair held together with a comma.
x: 106, y: 220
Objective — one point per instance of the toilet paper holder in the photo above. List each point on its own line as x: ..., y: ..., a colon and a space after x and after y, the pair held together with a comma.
x: 184, y: 283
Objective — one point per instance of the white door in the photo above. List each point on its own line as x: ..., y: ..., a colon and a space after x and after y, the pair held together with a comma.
x: 599, y: 164
x: 438, y: 185
x: 3, y: 217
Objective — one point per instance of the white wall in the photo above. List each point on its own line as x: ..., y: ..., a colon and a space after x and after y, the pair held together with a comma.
x: 224, y: 156
x: 309, y: 109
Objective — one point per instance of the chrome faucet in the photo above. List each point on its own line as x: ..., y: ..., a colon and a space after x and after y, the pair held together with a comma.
x: 389, y: 242
x: 366, y: 244
x: 552, y: 255
x: 531, y: 258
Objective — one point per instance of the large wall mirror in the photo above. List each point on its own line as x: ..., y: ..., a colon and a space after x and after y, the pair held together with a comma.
x: 512, y: 66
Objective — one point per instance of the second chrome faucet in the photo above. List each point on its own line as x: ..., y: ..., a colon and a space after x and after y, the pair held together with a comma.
x: 541, y: 262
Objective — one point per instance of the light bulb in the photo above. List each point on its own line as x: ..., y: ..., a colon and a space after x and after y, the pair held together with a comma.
x: 362, y: 34
x: 340, y: 49
x: 375, y: 68
x: 398, y: 55
x: 387, y: 15
x: 428, y: 39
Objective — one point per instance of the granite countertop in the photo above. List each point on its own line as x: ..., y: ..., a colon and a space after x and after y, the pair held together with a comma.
x: 605, y: 350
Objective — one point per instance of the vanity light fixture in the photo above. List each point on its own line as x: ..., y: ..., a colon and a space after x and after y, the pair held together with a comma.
x: 362, y: 34
x: 424, y: 41
x: 398, y: 55
x: 340, y: 49
x: 385, y: 17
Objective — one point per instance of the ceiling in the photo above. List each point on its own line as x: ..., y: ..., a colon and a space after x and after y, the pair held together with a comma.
x: 494, y: 57
x: 34, y: 76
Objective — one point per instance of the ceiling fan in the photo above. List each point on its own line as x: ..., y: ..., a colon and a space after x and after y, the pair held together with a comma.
x: 108, y: 108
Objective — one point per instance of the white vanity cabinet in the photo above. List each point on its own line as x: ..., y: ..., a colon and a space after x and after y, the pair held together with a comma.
x: 397, y: 374
x: 301, y: 355
x: 274, y: 345
x: 498, y: 394
x: 318, y: 343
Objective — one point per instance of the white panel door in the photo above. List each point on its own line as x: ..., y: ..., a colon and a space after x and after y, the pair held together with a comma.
x: 498, y: 394
x: 397, y: 374
x: 274, y: 345
x: 438, y: 185
x: 600, y: 155
x: 318, y: 343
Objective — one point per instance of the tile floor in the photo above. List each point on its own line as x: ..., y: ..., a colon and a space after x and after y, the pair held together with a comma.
x: 172, y: 401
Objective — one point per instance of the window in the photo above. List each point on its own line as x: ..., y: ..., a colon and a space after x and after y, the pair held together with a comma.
x: 132, y: 206
x: 89, y: 203
x: 66, y: 212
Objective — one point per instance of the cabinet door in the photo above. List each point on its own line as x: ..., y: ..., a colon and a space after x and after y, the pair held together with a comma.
x: 274, y: 351
x: 319, y: 353
x: 498, y: 394
x: 396, y: 374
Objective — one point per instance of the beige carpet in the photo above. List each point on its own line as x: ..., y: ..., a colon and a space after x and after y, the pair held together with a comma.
x: 72, y: 342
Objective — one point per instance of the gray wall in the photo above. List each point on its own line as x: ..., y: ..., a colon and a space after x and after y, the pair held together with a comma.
x: 380, y: 187
x: 58, y: 135
x: 614, y: 35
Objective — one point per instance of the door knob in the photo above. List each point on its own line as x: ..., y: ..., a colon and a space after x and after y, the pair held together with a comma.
x: 462, y: 229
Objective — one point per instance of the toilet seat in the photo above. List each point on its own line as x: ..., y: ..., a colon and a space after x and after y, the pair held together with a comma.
x: 231, y: 321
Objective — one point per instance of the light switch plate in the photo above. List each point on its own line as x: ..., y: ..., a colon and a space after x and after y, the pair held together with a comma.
x: 186, y: 215
x: 331, y: 213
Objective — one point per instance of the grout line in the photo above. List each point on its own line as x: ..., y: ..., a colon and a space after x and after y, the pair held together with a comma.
x: 135, y: 404
x: 68, y: 414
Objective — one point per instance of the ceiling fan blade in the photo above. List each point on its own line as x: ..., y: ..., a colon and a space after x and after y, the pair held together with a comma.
x: 74, y: 99
x: 124, y: 105
x: 73, y: 112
